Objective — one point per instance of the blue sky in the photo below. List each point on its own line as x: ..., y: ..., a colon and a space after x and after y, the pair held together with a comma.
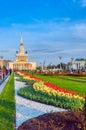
x: 51, y: 28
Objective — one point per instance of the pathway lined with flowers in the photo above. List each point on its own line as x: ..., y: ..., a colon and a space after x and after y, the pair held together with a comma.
x: 27, y: 109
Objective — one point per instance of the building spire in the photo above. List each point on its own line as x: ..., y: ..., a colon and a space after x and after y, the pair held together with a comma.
x: 21, y: 44
x: 21, y: 39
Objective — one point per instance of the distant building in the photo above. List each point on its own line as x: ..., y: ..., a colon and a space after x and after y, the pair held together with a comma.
x: 21, y: 62
x: 4, y: 66
x: 79, y: 64
x: 4, y: 63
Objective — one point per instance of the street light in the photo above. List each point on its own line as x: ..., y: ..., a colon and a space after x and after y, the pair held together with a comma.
x: 60, y: 57
x: 72, y: 62
x: 1, y: 57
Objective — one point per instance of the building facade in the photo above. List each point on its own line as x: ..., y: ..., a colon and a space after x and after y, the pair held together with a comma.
x: 21, y: 62
x: 4, y: 63
x: 79, y: 64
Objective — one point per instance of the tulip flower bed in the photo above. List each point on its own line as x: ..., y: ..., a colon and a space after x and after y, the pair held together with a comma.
x: 22, y: 78
x: 63, y: 83
x: 51, y: 94
x: 17, y: 75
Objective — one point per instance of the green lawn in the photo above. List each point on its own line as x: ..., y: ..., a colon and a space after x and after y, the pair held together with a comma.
x: 7, y: 106
x: 69, y: 85
x: 80, y: 79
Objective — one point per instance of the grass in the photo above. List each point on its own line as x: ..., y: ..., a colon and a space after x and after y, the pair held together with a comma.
x: 62, y: 83
x: 73, y: 78
x: 7, y: 106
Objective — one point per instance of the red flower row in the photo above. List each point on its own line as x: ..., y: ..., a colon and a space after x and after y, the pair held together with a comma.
x: 55, y: 87
x: 31, y: 76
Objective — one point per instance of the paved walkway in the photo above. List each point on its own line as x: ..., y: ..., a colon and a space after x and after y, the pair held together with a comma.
x: 3, y: 84
x: 27, y: 109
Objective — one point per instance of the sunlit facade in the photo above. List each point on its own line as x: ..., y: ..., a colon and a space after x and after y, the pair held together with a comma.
x: 21, y: 62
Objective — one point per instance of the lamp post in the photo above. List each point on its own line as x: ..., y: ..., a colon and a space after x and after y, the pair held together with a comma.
x: 60, y: 57
x: 1, y: 57
x: 40, y: 67
x: 51, y: 67
x: 72, y: 62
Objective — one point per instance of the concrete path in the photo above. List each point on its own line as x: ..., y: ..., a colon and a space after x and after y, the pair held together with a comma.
x: 27, y: 109
x: 3, y: 84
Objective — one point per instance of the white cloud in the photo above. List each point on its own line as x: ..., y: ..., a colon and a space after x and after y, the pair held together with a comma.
x: 57, y: 38
x: 80, y: 2
x: 79, y: 31
x: 83, y: 3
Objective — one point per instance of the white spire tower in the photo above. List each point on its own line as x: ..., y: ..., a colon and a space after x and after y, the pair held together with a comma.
x: 21, y: 39
x: 21, y: 45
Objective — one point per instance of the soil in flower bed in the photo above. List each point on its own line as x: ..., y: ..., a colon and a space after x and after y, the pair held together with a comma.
x: 56, y: 121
